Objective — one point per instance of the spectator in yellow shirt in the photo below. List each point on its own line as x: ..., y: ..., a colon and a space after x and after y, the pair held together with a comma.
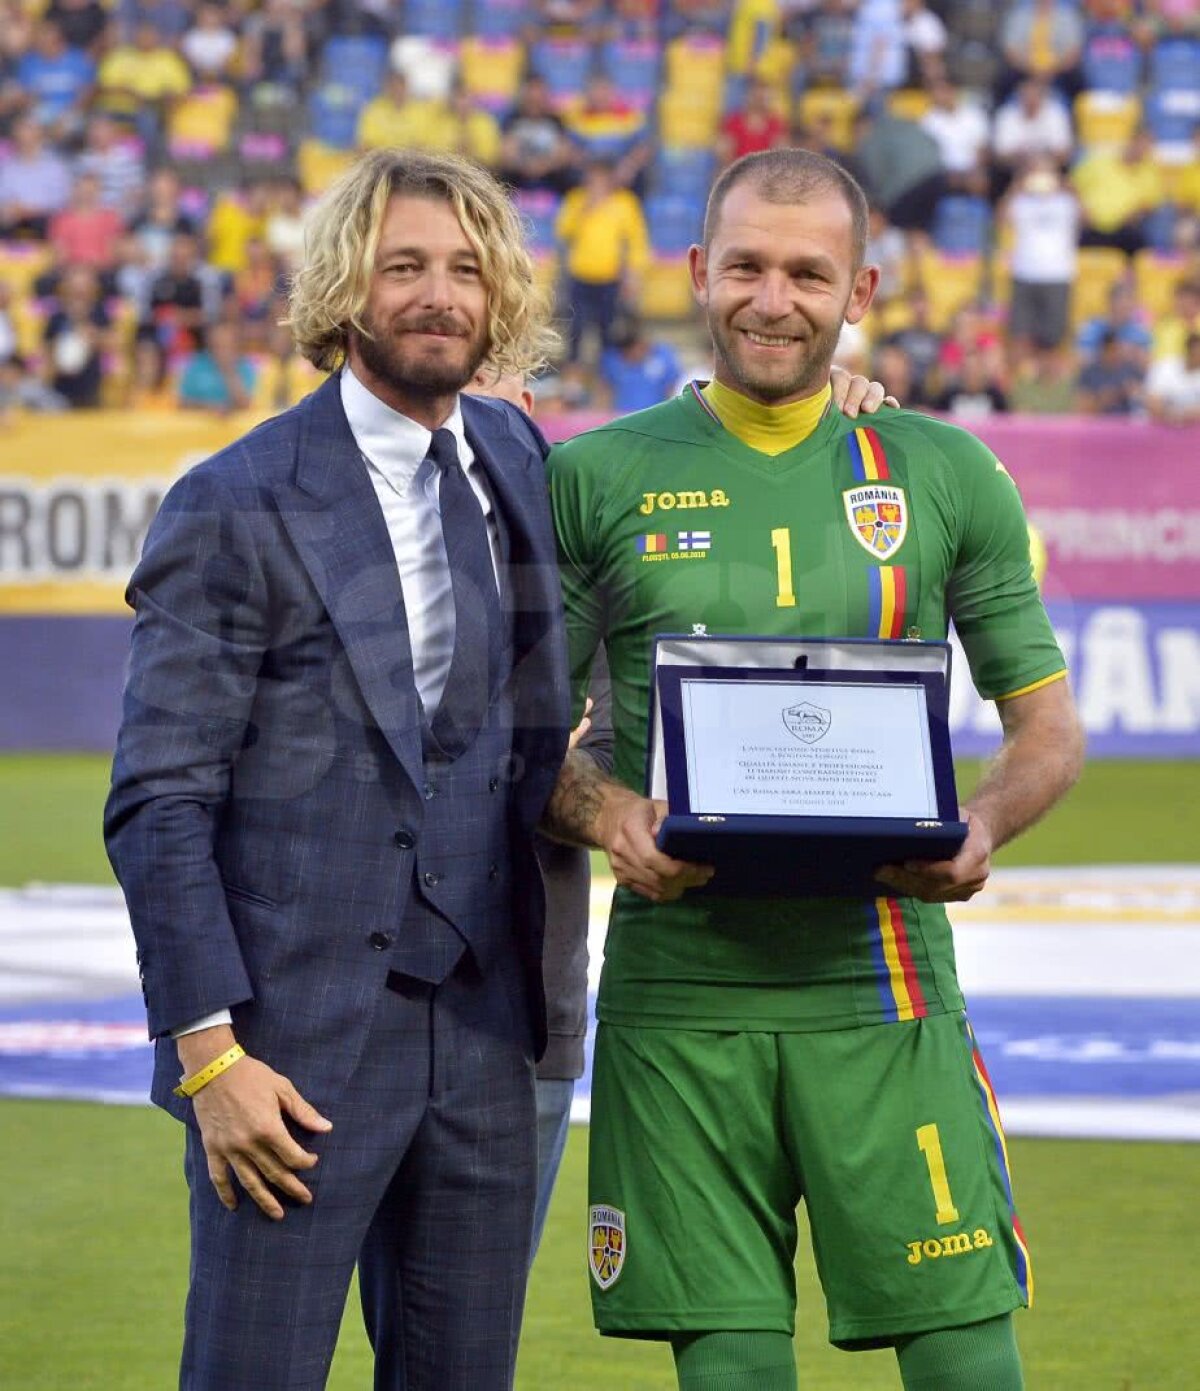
x: 1117, y: 189
x: 138, y: 80
x: 477, y: 136
x: 605, y: 248
x: 239, y: 217
x: 394, y: 119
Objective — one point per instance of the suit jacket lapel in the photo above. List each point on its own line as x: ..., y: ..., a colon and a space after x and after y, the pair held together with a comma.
x: 335, y: 522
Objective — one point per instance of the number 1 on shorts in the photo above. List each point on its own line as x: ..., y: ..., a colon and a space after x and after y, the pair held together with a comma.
x: 930, y: 1145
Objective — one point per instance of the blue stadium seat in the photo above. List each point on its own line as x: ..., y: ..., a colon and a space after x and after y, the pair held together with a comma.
x: 962, y: 225
x: 358, y: 61
x: 333, y: 115
x: 1172, y: 114
x: 1175, y: 64
x: 683, y: 173
x: 435, y: 19
x: 674, y: 223
x: 1112, y: 62
x: 538, y: 209
x: 498, y: 19
x: 634, y: 66
x: 565, y: 64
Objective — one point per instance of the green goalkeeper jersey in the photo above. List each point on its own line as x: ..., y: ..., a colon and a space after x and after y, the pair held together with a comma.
x: 666, y: 520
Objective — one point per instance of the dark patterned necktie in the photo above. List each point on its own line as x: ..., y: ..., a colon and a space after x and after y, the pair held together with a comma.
x: 478, y: 634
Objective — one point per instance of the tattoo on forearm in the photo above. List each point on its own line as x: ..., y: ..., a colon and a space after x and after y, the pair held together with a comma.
x: 574, y: 806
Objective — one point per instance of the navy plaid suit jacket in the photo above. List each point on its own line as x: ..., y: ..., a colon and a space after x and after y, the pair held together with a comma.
x: 271, y: 738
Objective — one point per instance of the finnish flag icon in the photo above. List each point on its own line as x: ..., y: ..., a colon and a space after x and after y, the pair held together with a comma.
x: 694, y: 540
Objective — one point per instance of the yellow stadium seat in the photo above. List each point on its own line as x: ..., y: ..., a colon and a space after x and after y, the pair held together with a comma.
x: 29, y: 323
x: 696, y: 64
x: 202, y: 122
x: 1105, y: 119
x: 908, y: 103
x: 21, y: 263
x: 1098, y: 269
x: 492, y: 68
x: 950, y: 282
x: 666, y: 289
x: 687, y: 122
x: 318, y: 165
x: 1155, y: 275
x: 830, y: 104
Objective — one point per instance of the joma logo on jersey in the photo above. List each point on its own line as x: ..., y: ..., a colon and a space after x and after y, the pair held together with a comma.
x: 878, y: 517
x: 960, y: 1244
x: 667, y: 502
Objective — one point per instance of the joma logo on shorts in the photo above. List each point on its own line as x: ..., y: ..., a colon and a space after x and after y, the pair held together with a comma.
x: 667, y: 502
x: 957, y: 1245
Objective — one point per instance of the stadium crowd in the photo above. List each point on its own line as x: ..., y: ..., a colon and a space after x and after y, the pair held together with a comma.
x: 1033, y: 169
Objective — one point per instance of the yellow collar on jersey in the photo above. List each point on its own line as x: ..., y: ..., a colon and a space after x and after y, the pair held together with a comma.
x: 769, y: 429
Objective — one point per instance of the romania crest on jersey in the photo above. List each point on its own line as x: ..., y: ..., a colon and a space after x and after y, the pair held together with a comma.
x: 878, y: 517
x: 606, y: 1244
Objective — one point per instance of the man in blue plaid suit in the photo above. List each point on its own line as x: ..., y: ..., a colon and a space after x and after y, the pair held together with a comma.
x: 346, y: 707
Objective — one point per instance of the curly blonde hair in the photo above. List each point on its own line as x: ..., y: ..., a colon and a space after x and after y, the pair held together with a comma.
x: 329, y: 293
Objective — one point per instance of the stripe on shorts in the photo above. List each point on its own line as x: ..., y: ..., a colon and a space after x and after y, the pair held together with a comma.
x: 1024, y: 1270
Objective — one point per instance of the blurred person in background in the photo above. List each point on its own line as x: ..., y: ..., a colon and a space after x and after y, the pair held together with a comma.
x: 238, y: 217
x: 925, y: 39
x: 474, y: 132
x: 1043, y: 39
x: 888, y: 248
x: 878, y: 61
x: 1117, y: 190
x: 826, y: 49
x: 891, y: 364
x: 138, y: 81
x: 396, y: 120
x: 972, y: 330
x: 606, y: 127
x: 257, y: 292
x: 218, y: 378
x: 170, y: 18
x: 1126, y: 319
x: 605, y: 248
x: 276, y: 45
x: 211, y: 44
x: 1173, y: 386
x: 76, y: 338
x: 960, y: 126
x: 1173, y: 329
x: 1043, y: 382
x: 755, y: 125
x: 535, y: 150
x: 921, y: 344
x: 975, y: 393
x: 161, y: 218
x: 1109, y: 382
x: 35, y: 183
x: 84, y: 23
x: 635, y: 370
x: 901, y: 169
x: 117, y: 161
x: 58, y: 80
x: 284, y: 375
x: 284, y: 231
x: 22, y: 389
x: 1044, y: 217
x: 177, y: 308
x: 1031, y: 123
x: 150, y: 386
x: 87, y: 232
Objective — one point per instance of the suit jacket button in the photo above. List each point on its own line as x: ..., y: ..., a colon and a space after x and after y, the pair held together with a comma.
x: 493, y: 784
x: 430, y: 792
x: 493, y: 871
x: 431, y: 879
x: 404, y: 839
x: 380, y: 940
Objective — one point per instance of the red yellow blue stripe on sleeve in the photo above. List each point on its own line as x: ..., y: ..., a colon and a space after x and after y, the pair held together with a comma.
x: 895, y: 970
x: 1024, y: 1267
x: 867, y: 458
x: 887, y: 596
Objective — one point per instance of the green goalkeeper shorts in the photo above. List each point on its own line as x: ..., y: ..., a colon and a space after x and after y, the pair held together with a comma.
x: 703, y: 1144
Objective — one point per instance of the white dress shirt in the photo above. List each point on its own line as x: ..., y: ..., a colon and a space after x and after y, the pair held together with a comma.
x: 407, y: 485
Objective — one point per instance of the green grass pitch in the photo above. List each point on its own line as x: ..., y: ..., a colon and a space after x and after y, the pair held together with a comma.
x: 93, y: 1218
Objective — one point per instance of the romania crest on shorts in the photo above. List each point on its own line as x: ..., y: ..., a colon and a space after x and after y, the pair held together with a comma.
x: 878, y: 517
x: 606, y: 1244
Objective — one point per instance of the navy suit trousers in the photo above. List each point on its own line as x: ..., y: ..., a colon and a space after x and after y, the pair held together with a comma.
x: 427, y: 1178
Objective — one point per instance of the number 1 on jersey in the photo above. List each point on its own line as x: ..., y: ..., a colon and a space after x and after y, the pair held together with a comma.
x: 930, y: 1145
x: 781, y: 539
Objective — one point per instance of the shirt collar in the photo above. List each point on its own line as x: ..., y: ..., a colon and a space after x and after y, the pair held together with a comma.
x: 391, y: 442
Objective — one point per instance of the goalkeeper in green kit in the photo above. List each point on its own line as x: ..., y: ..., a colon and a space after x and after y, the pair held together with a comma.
x: 756, y: 1053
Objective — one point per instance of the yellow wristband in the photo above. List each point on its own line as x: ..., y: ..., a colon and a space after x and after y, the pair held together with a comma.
x: 189, y: 1086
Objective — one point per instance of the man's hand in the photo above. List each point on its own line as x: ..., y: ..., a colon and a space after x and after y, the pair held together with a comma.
x: 852, y: 394
x: 584, y: 726
x: 946, y: 881
x: 240, y: 1115
x: 627, y: 827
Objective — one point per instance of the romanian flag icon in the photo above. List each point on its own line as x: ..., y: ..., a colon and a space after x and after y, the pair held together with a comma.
x: 652, y: 544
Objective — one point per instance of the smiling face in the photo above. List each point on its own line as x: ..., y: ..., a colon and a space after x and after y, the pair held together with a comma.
x: 426, y: 311
x: 777, y: 282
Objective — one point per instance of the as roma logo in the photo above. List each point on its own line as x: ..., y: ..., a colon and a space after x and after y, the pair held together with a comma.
x: 606, y: 1244
x: 878, y: 517
x: 808, y: 722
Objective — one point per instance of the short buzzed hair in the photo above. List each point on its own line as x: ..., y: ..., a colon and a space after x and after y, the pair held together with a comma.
x: 791, y: 176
